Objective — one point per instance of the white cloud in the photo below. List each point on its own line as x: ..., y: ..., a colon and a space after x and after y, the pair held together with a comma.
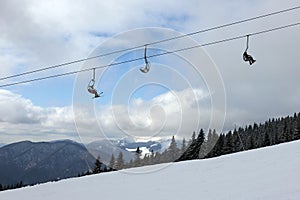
x: 18, y: 110
x: 20, y: 120
x: 51, y: 32
x: 170, y: 113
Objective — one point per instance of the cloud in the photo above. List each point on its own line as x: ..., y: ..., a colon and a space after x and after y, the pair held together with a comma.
x: 20, y: 119
x: 167, y: 114
x: 171, y: 113
x: 18, y: 110
x: 51, y: 32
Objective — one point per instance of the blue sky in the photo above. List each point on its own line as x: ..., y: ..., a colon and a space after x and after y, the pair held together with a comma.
x: 37, y: 34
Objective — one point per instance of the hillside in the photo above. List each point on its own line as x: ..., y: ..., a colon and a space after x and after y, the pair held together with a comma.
x: 36, y: 162
x: 265, y: 173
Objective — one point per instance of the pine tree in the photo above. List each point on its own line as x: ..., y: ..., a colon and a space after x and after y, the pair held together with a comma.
x: 130, y: 164
x: 236, y: 141
x: 152, y: 157
x: 137, y: 161
x: 212, y: 139
x: 193, y: 138
x: 276, y: 140
x: 203, y: 150
x: 88, y: 172
x: 296, y: 135
x: 209, y: 140
x: 251, y: 145
x: 193, y: 150
x: 267, y: 140
x: 104, y: 168
x: 228, y: 143
x: 157, y: 158
x: 218, y: 148
x: 120, y: 162
x: 183, y: 146
x: 145, y: 160
x: 97, y: 167
x: 112, y: 163
x: 173, y: 151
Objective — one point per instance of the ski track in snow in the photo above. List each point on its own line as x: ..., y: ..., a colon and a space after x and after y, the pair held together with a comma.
x: 267, y: 173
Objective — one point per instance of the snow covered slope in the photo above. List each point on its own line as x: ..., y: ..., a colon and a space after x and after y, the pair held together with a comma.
x: 267, y: 173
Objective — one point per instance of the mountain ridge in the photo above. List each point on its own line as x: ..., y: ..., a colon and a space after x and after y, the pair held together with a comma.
x: 37, y: 162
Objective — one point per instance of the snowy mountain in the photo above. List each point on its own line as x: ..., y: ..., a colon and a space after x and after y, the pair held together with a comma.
x: 105, y: 148
x: 31, y: 162
x: 266, y: 173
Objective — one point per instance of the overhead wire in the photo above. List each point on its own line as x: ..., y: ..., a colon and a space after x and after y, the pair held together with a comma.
x: 155, y: 55
x: 152, y: 43
x: 227, y: 25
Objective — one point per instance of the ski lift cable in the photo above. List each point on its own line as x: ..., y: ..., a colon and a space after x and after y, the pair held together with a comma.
x: 152, y: 43
x: 227, y: 25
x: 154, y: 55
x: 69, y: 73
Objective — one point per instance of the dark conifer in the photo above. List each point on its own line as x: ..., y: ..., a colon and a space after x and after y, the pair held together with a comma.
x: 97, y: 167
x: 173, y: 151
x: 112, y: 163
x: 228, y: 143
x: 120, y: 162
x: 267, y: 141
x: 192, y: 151
x: 137, y: 161
x: 183, y: 146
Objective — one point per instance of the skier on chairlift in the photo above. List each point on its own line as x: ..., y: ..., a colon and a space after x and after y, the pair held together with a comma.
x: 91, y: 88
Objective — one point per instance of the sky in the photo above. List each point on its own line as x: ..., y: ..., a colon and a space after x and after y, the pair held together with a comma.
x: 208, y: 87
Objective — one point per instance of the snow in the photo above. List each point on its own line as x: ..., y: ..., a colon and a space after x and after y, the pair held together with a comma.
x: 130, y: 150
x: 144, y: 150
x: 266, y: 173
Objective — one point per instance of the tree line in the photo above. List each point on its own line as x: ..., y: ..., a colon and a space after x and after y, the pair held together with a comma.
x: 272, y: 132
x: 12, y: 186
x: 177, y: 151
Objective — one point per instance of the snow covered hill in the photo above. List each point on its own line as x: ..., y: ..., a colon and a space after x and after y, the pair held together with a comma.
x: 266, y: 173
